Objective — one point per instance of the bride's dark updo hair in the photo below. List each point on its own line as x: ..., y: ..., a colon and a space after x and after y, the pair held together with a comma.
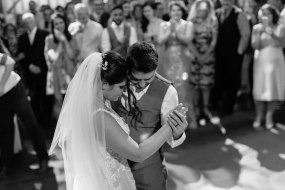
x: 114, y: 70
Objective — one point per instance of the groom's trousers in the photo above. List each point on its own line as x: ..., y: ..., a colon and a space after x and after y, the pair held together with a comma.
x: 151, y: 177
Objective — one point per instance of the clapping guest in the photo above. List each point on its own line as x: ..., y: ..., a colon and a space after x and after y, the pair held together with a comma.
x: 137, y: 19
x: 268, y: 39
x: 69, y: 13
x: 280, y: 5
x: 174, y: 37
x: 60, y: 52
x: 205, y: 26
x: 127, y: 11
x: 150, y: 23
x: 87, y: 33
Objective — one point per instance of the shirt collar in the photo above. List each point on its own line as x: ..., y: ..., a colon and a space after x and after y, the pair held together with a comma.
x: 138, y: 94
x: 33, y: 31
x: 88, y: 23
x: 114, y: 25
x: 141, y: 92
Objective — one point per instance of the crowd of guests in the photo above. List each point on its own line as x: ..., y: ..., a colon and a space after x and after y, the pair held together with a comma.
x: 211, y: 50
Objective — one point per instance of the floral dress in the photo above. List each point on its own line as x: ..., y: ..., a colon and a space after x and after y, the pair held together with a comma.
x: 202, y: 74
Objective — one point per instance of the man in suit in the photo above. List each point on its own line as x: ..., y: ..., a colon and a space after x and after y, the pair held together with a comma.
x: 233, y: 39
x: 31, y: 44
x: 155, y: 97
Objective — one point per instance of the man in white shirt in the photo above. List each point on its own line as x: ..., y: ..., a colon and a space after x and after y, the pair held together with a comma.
x: 13, y: 100
x: 119, y: 35
x: 87, y: 33
x: 156, y: 98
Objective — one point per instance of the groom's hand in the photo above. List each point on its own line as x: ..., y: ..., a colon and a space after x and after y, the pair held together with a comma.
x: 178, y: 123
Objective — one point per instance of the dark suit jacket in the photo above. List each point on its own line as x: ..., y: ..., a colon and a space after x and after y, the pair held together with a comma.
x: 34, y: 54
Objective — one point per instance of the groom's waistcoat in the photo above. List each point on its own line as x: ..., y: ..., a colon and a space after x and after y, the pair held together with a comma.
x: 150, y: 106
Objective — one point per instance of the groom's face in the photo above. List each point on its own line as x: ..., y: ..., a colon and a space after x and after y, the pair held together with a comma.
x: 141, y: 80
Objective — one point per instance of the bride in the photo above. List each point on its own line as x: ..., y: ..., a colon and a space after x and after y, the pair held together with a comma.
x: 92, y: 139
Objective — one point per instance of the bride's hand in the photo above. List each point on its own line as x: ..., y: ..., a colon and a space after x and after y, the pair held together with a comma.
x: 178, y: 123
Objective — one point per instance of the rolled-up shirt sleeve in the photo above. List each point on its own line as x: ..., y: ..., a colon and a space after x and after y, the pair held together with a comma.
x: 170, y: 101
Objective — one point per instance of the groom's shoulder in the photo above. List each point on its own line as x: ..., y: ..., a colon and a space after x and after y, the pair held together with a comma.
x: 162, y: 79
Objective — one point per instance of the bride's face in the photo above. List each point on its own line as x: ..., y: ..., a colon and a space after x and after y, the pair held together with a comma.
x: 113, y: 92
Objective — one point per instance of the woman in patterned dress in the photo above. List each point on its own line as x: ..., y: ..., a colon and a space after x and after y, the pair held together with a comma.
x: 174, y: 57
x: 205, y: 24
x: 91, y: 137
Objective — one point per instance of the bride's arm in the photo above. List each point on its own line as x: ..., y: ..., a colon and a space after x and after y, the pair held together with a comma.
x: 119, y: 141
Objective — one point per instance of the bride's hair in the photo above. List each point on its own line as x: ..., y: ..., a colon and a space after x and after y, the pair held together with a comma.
x: 115, y: 70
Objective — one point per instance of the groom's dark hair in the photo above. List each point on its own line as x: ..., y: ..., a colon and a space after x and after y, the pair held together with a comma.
x: 142, y: 57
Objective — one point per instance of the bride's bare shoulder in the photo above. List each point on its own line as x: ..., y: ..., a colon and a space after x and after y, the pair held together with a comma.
x: 106, y: 116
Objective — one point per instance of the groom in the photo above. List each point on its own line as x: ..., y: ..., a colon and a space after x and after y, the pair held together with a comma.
x: 156, y: 97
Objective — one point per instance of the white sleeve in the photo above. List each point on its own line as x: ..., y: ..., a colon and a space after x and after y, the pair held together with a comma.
x: 9, y: 60
x: 105, y: 42
x: 133, y: 36
x: 170, y: 101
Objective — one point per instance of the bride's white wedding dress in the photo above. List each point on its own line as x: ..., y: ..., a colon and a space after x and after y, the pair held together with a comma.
x: 120, y: 172
x: 79, y: 137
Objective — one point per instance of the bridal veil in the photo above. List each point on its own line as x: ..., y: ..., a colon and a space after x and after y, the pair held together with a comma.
x: 80, y: 137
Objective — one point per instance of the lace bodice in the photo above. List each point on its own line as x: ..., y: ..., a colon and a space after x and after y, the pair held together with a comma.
x: 120, y: 172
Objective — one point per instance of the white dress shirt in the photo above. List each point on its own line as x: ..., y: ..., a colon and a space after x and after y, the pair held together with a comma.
x: 32, y: 35
x: 119, y: 32
x: 13, y: 78
x: 282, y: 17
x: 169, y: 102
x: 89, y: 39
